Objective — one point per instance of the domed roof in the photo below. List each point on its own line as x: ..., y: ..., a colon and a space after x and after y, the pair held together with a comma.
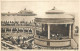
x: 54, y: 11
x: 26, y: 13
x: 55, y: 16
x: 26, y: 10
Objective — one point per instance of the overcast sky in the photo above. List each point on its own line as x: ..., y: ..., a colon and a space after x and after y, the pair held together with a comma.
x: 39, y: 6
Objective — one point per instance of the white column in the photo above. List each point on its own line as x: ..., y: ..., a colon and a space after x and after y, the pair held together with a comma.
x: 17, y: 29
x: 48, y: 31
x: 32, y: 30
x: 70, y: 31
x: 5, y: 29
x: 65, y: 25
x: 28, y: 30
x: 23, y: 30
x: 11, y: 30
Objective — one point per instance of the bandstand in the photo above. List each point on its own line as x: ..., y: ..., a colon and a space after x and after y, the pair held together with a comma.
x: 54, y: 29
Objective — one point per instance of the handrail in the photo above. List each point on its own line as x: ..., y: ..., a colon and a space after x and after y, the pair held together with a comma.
x: 4, y: 47
x: 52, y: 40
x: 29, y: 39
x: 10, y: 45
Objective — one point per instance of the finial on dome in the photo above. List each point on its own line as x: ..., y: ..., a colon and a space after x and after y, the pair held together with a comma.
x: 25, y: 9
x: 8, y: 12
x: 53, y: 8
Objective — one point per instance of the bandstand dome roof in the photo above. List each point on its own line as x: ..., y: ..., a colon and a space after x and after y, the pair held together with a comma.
x: 55, y: 16
x: 53, y: 13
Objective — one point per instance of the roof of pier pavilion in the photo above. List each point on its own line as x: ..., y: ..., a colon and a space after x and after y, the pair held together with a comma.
x: 54, y: 16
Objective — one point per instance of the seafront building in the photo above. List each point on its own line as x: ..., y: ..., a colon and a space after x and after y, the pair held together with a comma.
x: 15, y: 26
x: 54, y: 29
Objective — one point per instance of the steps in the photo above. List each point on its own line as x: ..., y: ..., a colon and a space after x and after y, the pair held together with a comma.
x: 74, y: 44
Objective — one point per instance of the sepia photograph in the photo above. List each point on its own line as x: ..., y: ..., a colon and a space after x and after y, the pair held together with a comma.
x: 39, y: 24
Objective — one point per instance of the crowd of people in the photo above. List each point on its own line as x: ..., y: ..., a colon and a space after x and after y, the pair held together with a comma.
x: 17, y: 23
x: 18, y: 41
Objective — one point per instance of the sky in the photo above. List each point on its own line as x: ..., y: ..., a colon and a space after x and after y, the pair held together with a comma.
x: 40, y: 7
